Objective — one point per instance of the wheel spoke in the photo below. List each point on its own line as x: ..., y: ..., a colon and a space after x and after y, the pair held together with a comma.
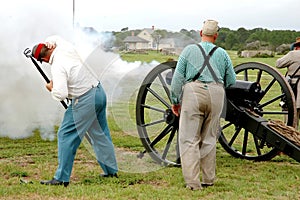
x: 234, y: 136
x: 259, y: 73
x: 270, y: 101
x: 226, y: 125
x: 275, y: 112
x: 269, y: 86
x: 164, y: 84
x: 153, y: 108
x: 246, y: 75
x: 153, y: 123
x: 256, y: 145
x: 161, y: 135
x: 266, y: 90
x: 245, y: 142
x: 166, y: 150
x: 158, y: 97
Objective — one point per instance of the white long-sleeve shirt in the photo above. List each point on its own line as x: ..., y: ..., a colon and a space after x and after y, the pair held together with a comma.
x: 70, y: 77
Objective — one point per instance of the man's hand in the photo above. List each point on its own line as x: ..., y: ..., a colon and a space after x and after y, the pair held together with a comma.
x: 50, y: 45
x: 176, y: 109
x: 49, y: 86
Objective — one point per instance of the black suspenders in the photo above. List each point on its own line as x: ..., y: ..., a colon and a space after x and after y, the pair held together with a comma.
x: 206, y: 63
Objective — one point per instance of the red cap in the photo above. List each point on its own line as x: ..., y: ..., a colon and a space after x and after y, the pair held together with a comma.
x: 38, y: 51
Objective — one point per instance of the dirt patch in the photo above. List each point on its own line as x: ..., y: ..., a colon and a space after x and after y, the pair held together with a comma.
x: 128, y: 160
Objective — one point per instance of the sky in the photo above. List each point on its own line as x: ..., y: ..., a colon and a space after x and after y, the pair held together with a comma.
x: 26, y: 104
x: 174, y: 15
x: 113, y: 15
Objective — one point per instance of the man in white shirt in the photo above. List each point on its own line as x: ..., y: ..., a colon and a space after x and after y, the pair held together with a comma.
x: 86, y: 113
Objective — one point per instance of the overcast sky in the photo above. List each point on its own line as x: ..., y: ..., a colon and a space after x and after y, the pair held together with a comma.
x: 189, y: 14
x: 113, y: 15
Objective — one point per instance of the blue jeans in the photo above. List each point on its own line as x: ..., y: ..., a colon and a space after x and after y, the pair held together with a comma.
x: 86, y: 113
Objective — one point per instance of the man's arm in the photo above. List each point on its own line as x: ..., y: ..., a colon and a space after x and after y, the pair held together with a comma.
x: 230, y: 76
x: 59, y: 86
x: 284, y: 61
x: 178, y: 81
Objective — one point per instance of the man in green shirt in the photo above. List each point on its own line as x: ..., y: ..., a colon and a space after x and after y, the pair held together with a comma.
x: 198, y: 98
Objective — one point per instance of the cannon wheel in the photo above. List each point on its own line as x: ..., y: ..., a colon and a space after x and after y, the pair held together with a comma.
x: 157, y: 125
x: 238, y: 141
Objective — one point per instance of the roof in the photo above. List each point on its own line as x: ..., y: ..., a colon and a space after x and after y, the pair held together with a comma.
x: 149, y: 30
x: 133, y: 39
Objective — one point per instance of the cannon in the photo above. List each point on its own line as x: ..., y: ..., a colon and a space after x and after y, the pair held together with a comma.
x: 260, y: 95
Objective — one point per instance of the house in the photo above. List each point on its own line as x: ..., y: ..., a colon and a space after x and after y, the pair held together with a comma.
x: 147, y: 39
x: 135, y: 42
x: 146, y: 34
x: 143, y: 40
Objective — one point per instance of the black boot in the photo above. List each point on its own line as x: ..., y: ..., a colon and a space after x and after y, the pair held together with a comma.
x: 204, y: 185
x: 55, y: 182
x: 109, y: 175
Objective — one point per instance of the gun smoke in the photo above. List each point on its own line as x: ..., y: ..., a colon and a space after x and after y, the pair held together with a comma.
x: 25, y: 103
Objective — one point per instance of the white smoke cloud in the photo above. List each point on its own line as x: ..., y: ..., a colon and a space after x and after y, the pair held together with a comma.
x: 25, y: 104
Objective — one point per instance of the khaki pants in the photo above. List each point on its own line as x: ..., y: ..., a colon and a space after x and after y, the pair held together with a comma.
x: 198, y: 130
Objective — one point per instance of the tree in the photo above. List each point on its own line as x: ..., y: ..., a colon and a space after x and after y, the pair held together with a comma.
x: 242, y: 35
x: 230, y: 41
x: 124, y: 29
x: 156, y: 37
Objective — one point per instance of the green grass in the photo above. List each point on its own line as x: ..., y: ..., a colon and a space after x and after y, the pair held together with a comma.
x: 150, y: 56
x: 34, y: 159
x: 238, y: 60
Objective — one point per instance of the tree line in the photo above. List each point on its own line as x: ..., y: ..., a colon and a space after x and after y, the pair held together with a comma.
x: 238, y: 40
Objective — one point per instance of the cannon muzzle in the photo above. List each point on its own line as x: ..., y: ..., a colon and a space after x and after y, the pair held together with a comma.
x: 244, y: 93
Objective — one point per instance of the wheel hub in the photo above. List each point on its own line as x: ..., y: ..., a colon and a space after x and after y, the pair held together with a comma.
x: 169, y: 117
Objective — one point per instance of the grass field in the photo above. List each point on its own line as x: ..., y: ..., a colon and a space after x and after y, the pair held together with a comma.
x: 24, y: 162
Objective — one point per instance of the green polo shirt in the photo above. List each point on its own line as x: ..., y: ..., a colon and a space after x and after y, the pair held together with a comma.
x: 191, y: 60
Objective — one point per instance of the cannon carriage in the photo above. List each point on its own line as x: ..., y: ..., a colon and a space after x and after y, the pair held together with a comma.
x: 261, y: 95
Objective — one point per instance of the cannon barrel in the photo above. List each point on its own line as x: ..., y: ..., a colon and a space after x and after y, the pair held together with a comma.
x: 243, y: 91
